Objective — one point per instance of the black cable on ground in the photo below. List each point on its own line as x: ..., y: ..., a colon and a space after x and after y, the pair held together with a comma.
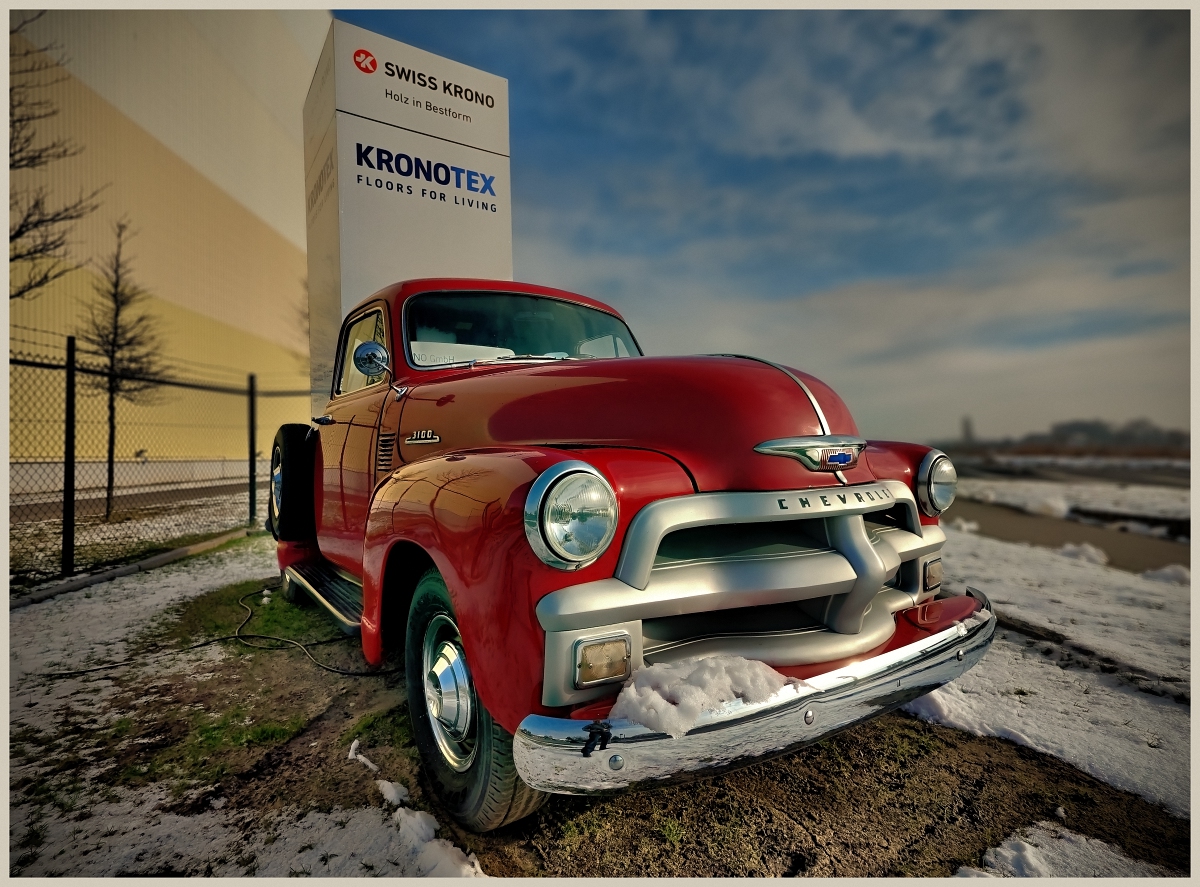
x: 236, y: 636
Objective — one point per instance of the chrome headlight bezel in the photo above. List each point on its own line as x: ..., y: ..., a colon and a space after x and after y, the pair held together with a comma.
x: 535, y: 503
x: 925, y: 482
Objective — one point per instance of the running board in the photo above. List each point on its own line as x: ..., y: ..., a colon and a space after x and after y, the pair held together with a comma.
x: 335, y: 591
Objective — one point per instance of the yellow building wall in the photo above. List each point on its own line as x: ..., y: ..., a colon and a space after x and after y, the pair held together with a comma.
x: 225, y: 287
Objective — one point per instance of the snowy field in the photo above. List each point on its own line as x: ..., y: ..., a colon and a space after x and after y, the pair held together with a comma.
x: 1032, y: 693
x: 130, y: 834
x: 1057, y: 498
x: 1137, y: 622
x: 1096, y: 722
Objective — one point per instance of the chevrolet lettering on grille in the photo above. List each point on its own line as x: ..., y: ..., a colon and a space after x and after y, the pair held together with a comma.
x: 822, y: 501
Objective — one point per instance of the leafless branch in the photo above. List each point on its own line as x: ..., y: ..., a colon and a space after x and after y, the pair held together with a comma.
x: 38, y: 245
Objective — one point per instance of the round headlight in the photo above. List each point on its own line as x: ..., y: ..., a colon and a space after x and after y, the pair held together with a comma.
x: 579, y: 517
x: 570, y: 515
x: 937, y: 482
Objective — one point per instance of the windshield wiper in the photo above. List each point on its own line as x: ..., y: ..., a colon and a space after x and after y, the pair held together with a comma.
x: 524, y: 357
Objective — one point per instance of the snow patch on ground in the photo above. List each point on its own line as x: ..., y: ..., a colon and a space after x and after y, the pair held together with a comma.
x: 90, y: 627
x: 393, y: 792
x: 1096, y: 722
x: 1056, y: 498
x: 1048, y: 850
x: 368, y: 841
x: 362, y: 759
x: 1131, y: 619
x: 1084, y: 552
x: 133, y: 837
x: 1175, y: 574
x: 670, y: 697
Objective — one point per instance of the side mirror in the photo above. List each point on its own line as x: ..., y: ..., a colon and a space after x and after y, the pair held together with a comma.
x: 371, y: 359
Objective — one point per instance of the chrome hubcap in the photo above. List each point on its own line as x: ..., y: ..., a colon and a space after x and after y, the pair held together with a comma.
x: 449, y: 696
x: 276, y: 479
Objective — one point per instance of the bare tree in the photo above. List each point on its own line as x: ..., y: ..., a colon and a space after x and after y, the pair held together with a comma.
x: 127, y: 341
x: 38, y: 227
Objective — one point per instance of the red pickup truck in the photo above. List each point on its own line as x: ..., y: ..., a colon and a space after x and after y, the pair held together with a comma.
x: 506, y: 488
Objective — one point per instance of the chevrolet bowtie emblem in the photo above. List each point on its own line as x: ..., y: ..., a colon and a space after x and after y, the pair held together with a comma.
x: 828, y: 452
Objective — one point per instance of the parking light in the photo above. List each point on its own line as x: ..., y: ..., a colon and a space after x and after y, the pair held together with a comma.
x: 601, y: 661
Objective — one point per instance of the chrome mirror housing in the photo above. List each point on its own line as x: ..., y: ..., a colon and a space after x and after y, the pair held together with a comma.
x: 371, y: 359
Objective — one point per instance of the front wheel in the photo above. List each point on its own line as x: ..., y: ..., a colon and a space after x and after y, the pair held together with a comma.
x: 467, y: 755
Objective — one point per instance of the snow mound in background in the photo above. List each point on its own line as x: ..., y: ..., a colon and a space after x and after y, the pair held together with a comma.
x: 671, y: 696
x: 1084, y: 552
x: 964, y: 526
x: 1175, y: 574
x: 1050, y: 506
x: 1142, y: 529
x: 1047, y: 850
x: 1056, y: 498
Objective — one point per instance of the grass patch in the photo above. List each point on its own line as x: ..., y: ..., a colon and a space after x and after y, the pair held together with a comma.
x: 389, y: 728
x: 673, y: 830
x: 208, y: 751
x: 232, y: 731
x: 218, y: 613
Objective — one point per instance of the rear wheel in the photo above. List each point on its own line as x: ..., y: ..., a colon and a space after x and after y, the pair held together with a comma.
x: 467, y: 755
x: 290, y: 503
x: 293, y: 593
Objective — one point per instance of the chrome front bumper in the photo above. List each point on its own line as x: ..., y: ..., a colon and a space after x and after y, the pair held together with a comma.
x: 549, y: 752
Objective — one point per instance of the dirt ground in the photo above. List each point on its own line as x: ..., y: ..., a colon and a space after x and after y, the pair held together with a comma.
x: 253, y: 732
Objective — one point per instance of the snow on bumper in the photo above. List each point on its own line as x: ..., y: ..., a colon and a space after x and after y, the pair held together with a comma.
x: 550, y: 752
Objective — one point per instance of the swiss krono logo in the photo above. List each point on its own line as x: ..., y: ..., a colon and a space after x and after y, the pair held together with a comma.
x: 364, y: 61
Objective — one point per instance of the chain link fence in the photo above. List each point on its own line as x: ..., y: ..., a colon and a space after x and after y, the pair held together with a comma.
x: 180, y: 471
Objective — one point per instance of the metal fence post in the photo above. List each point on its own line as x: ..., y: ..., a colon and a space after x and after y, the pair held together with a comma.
x: 250, y: 396
x: 68, y: 500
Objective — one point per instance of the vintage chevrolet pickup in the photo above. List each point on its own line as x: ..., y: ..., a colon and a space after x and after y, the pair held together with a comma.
x: 503, y: 487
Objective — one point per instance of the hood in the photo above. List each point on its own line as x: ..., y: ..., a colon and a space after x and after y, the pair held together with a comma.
x: 708, y: 413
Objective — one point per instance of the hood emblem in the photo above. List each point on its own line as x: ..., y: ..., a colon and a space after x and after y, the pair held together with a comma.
x: 826, y: 452
x: 427, y: 436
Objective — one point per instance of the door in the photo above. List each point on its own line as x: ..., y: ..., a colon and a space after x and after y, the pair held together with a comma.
x: 348, y: 433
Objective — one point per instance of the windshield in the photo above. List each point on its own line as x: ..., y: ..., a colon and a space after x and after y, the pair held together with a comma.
x: 446, y: 328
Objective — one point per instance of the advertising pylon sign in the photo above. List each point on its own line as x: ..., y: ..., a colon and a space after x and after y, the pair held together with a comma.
x: 406, y: 176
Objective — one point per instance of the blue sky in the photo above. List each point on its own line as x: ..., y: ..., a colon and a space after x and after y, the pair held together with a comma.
x: 941, y: 214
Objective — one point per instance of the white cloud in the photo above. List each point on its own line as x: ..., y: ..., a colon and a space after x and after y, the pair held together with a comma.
x: 911, y: 359
x: 1088, y: 321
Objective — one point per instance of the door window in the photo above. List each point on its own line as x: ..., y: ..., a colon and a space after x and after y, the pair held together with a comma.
x: 368, y: 328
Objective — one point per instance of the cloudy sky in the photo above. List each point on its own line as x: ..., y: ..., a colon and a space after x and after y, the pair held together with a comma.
x: 940, y: 214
